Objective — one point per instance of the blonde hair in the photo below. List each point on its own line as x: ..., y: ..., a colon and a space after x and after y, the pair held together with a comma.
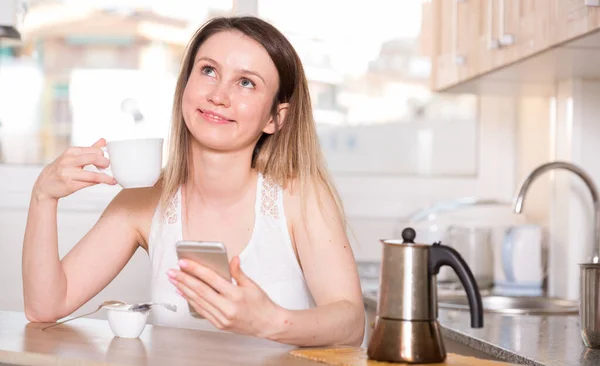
x: 290, y: 154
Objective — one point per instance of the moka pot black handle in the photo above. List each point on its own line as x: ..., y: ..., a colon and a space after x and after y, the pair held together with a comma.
x: 440, y: 255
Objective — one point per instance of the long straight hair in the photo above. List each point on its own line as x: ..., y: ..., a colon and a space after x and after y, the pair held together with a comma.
x: 290, y: 154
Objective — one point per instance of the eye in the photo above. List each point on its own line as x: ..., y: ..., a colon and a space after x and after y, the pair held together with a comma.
x: 208, y: 70
x: 247, y: 83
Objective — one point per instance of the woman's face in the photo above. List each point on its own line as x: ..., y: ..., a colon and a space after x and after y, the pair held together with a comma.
x: 228, y: 98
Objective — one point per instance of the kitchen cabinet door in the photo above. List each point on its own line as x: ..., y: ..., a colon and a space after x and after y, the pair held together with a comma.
x: 524, y: 27
x: 514, y: 29
x: 489, y: 54
x: 472, y: 38
x: 569, y: 19
x: 453, y: 23
x: 593, y: 18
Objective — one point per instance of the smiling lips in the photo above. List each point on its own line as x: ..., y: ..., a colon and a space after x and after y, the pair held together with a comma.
x: 214, y: 117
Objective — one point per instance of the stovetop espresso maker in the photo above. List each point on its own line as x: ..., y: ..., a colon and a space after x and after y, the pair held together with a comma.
x: 406, y: 326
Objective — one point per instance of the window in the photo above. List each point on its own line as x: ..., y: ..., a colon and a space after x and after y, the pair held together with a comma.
x: 87, y: 69
x: 369, y: 84
x: 108, y: 68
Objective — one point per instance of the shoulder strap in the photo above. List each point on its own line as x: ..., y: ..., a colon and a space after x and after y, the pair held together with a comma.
x: 173, y: 210
x: 269, y: 198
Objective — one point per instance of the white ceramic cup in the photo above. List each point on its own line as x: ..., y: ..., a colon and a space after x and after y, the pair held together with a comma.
x: 125, y: 323
x: 135, y: 163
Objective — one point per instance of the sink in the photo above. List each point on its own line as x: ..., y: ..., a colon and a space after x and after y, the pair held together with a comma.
x: 514, y: 305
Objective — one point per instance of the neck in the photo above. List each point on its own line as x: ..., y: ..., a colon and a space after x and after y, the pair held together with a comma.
x: 220, y: 179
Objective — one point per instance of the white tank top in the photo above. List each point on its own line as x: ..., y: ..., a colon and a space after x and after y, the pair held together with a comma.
x: 268, y: 259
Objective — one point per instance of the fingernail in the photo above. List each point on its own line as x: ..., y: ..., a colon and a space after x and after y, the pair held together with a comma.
x: 173, y: 281
x: 182, y: 263
x: 179, y: 292
x: 171, y: 273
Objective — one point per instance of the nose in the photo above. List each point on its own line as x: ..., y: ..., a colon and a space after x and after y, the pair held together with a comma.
x: 219, y: 95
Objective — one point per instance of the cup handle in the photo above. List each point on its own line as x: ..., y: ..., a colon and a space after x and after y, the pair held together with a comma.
x: 508, y: 246
x: 93, y: 168
x: 107, y: 170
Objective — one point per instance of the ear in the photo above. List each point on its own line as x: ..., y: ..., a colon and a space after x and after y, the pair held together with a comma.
x: 276, y: 122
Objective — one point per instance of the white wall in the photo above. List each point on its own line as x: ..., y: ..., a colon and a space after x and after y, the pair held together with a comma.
x: 575, y: 138
x: 532, y: 150
x: 77, y: 214
x: 565, y: 128
x: 373, y: 203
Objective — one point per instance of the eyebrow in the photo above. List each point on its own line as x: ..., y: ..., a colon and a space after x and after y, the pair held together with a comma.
x: 245, y: 71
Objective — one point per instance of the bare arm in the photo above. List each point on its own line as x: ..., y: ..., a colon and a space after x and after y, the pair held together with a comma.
x: 43, y: 277
x: 53, y: 288
x: 330, y: 271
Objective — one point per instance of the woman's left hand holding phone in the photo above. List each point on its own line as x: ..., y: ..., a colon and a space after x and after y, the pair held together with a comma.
x: 242, y: 309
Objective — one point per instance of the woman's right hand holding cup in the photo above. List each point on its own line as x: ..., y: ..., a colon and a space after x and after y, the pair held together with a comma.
x: 66, y: 175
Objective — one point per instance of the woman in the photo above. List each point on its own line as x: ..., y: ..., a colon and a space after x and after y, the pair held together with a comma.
x: 244, y: 168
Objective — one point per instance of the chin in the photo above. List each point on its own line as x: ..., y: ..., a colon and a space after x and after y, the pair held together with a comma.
x: 219, y: 139
x: 215, y: 143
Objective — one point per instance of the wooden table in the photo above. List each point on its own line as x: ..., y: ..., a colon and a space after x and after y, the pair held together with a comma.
x: 91, y: 342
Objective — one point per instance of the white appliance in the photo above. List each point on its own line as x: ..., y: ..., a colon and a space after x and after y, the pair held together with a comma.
x: 521, y: 268
x: 434, y: 224
x: 8, y: 21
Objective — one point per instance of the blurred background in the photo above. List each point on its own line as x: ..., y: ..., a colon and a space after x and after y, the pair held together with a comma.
x: 400, y: 153
x: 107, y: 68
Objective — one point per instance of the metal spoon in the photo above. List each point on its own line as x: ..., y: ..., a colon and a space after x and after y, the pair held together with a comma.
x: 146, y: 306
x: 106, y: 303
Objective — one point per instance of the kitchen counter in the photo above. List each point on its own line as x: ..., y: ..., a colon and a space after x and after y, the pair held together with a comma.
x: 91, y: 341
x: 525, y: 339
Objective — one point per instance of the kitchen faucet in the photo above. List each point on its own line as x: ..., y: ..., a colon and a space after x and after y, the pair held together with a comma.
x: 590, y: 185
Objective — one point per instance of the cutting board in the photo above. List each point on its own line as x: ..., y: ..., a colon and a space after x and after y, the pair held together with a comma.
x: 349, y: 356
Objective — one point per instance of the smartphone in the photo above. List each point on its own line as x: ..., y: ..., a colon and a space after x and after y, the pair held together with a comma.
x: 208, y: 253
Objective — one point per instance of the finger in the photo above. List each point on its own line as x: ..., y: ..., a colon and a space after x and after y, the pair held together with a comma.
x: 81, y: 185
x: 79, y: 150
x: 204, y: 313
x: 238, y: 275
x: 197, y: 307
x: 204, y: 290
x: 203, y: 306
x: 100, y: 143
x: 93, y: 177
x: 86, y: 159
x: 208, y: 276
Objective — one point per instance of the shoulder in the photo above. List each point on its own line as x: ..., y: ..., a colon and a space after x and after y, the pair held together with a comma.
x: 137, y: 200
x: 136, y: 207
x: 310, y: 201
x: 315, y: 220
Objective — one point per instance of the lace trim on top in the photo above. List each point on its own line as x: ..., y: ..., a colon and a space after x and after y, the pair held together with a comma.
x: 269, y: 195
x: 171, y: 212
x: 268, y: 203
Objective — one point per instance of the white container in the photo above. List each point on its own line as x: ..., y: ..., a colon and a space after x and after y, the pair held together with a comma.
x: 125, y: 323
x: 475, y: 246
x: 522, y: 261
x: 432, y: 225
